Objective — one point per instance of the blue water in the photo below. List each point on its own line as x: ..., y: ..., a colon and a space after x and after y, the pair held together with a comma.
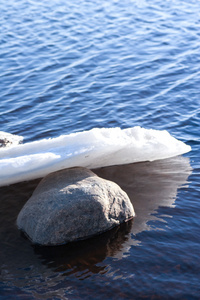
x: 68, y: 66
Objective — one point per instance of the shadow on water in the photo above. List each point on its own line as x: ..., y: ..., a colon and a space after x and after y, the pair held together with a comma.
x: 149, y: 186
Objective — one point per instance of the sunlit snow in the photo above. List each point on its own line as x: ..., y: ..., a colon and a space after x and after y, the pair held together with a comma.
x: 92, y: 149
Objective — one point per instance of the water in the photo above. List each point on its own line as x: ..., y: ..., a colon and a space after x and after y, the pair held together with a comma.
x: 68, y: 66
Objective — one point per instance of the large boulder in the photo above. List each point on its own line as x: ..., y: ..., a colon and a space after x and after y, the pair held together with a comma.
x: 8, y: 139
x: 73, y: 204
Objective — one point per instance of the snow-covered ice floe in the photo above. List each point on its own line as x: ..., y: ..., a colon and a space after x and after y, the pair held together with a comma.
x: 92, y: 149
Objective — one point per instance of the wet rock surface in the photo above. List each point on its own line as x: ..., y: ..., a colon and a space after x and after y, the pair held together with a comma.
x: 73, y: 204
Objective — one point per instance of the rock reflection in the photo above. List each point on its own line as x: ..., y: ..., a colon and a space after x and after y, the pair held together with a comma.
x: 85, y: 255
x: 149, y: 186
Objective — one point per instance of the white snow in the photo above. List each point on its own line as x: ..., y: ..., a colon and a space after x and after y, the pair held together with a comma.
x: 92, y: 149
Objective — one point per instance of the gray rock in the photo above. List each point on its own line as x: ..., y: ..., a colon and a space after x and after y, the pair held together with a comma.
x: 73, y: 204
x: 8, y: 139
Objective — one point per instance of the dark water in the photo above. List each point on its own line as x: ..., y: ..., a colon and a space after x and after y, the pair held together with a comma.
x: 68, y: 66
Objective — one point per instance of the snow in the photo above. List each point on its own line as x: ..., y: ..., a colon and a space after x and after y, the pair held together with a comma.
x: 92, y: 149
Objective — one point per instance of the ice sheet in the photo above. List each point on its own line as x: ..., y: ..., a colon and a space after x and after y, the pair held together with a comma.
x: 92, y: 149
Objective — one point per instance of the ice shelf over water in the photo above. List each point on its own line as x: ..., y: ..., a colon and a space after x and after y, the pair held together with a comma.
x: 92, y: 149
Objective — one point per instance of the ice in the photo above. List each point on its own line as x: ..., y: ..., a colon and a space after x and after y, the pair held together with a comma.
x: 92, y: 149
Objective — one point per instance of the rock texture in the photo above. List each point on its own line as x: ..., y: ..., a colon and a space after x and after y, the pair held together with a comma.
x: 73, y: 204
x: 8, y: 139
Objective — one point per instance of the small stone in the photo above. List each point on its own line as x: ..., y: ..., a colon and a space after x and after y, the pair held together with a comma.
x: 73, y: 204
x: 8, y: 139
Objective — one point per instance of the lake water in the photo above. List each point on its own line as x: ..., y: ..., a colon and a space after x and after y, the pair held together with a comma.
x: 68, y: 66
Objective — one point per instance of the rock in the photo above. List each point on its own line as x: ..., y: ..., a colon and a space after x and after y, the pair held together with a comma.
x: 73, y: 204
x: 8, y: 139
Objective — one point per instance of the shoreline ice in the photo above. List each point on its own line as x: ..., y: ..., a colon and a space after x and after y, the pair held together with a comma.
x: 98, y: 147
